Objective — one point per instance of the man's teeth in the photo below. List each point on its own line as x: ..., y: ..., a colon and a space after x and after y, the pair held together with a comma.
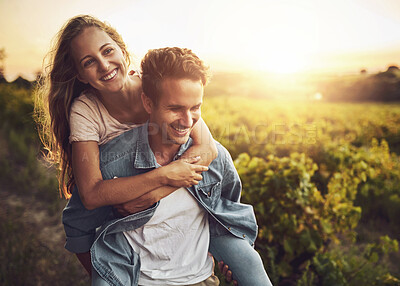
x: 110, y: 76
x: 181, y: 130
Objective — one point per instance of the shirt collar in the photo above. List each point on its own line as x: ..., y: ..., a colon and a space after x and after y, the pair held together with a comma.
x: 144, y: 155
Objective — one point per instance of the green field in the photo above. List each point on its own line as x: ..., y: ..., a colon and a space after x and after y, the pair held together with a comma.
x: 323, y: 179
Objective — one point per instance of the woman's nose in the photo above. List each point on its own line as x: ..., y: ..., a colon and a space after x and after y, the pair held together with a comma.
x: 104, y: 65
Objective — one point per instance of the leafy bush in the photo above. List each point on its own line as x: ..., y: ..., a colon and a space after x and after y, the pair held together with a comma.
x: 376, y: 177
x: 296, y: 221
x: 357, y: 267
x: 20, y: 148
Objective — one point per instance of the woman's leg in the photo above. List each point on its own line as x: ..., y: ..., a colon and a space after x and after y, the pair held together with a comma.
x: 242, y: 259
x: 97, y: 280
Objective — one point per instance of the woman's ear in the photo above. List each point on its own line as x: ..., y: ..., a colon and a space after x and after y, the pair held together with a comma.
x: 147, y: 103
x: 125, y: 55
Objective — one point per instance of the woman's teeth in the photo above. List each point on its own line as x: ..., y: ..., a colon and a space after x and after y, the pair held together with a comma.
x: 110, y: 76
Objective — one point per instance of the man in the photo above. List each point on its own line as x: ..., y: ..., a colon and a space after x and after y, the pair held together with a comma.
x: 167, y: 244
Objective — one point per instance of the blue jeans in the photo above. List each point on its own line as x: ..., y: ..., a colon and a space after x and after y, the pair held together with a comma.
x: 97, y: 280
x: 242, y: 259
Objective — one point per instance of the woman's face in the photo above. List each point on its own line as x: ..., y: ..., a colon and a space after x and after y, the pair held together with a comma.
x: 99, y: 60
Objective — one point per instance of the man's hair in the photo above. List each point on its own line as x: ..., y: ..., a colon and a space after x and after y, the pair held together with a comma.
x: 175, y: 63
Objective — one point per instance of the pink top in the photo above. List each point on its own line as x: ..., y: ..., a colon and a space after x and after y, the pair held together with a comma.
x: 90, y: 121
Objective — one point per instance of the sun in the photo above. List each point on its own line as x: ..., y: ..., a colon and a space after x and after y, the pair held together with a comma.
x: 281, y: 62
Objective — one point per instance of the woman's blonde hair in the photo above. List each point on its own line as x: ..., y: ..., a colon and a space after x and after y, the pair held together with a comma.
x: 56, y: 89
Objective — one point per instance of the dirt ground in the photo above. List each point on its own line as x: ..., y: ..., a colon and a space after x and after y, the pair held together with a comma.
x: 44, y: 231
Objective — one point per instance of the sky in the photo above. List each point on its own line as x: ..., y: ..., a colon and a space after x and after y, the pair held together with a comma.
x: 274, y: 36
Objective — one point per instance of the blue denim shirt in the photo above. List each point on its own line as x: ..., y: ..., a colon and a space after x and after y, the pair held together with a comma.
x: 127, y: 155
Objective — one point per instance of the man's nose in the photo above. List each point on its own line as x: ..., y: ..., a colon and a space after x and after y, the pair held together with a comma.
x: 187, y: 119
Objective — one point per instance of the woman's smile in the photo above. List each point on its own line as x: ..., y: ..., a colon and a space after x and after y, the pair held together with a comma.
x: 110, y: 75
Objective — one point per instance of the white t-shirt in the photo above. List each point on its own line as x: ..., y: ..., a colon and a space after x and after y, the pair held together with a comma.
x: 173, y: 245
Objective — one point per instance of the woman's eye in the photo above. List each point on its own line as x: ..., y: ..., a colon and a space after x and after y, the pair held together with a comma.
x: 88, y: 63
x: 108, y: 50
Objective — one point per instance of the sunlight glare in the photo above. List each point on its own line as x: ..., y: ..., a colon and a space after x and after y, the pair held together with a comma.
x: 318, y: 96
x: 281, y: 62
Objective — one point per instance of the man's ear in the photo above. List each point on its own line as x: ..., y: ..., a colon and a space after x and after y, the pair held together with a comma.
x: 81, y: 79
x: 147, y: 103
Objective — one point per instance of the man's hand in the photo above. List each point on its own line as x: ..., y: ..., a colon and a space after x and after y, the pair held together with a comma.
x: 226, y: 272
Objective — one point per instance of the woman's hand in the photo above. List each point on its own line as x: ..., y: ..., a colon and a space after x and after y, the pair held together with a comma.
x: 183, y: 172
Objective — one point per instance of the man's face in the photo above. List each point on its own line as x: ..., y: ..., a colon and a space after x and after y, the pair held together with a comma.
x: 178, y: 109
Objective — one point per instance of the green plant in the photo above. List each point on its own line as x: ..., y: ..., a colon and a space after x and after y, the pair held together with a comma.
x: 338, y: 267
x: 296, y: 221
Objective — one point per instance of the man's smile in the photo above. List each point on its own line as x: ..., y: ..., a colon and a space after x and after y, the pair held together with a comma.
x: 181, y: 130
